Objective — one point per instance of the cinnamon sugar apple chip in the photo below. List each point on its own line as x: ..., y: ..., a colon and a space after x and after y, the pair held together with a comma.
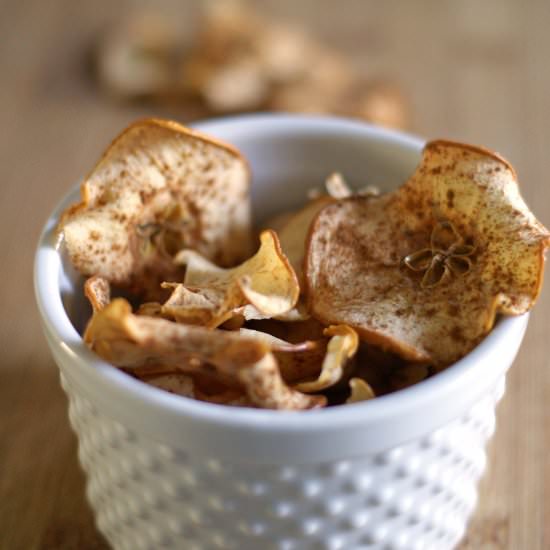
x: 128, y: 340
x: 424, y: 270
x: 264, y: 286
x: 158, y: 188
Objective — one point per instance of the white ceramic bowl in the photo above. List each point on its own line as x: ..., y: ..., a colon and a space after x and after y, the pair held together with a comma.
x: 167, y: 472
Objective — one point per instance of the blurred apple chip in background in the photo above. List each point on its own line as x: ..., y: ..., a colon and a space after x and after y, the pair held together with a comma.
x: 230, y: 58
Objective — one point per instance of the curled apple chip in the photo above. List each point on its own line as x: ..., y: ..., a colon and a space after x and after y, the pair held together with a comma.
x: 132, y: 341
x: 424, y: 270
x: 360, y: 391
x: 264, y: 286
x: 158, y: 188
x: 341, y: 347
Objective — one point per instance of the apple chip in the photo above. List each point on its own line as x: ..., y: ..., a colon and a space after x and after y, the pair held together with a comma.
x: 342, y: 346
x: 262, y: 287
x: 158, y: 188
x: 132, y: 341
x: 360, y: 391
x: 424, y: 270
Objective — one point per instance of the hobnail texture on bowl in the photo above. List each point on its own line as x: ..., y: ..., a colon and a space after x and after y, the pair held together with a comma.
x: 164, y: 472
x: 151, y: 494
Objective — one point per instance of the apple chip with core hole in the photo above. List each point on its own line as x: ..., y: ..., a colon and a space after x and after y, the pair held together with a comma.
x: 159, y: 188
x: 128, y: 340
x: 262, y: 287
x: 424, y: 270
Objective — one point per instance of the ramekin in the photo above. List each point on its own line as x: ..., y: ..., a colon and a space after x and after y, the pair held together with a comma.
x: 397, y: 472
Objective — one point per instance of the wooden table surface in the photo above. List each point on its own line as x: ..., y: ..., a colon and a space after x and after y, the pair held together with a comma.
x: 473, y: 71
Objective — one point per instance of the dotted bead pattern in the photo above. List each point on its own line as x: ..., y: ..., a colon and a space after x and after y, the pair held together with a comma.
x: 147, y: 495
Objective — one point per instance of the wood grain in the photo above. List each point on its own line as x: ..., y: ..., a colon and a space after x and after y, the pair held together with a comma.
x: 474, y: 71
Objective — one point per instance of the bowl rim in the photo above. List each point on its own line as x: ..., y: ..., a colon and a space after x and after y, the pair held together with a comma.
x: 58, y: 327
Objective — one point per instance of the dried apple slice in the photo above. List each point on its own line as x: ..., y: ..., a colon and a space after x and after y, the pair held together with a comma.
x: 262, y: 287
x: 132, y: 341
x: 424, y: 270
x: 158, y: 188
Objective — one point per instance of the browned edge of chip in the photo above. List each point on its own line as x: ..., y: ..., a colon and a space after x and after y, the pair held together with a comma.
x: 143, y: 122
x: 474, y: 148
